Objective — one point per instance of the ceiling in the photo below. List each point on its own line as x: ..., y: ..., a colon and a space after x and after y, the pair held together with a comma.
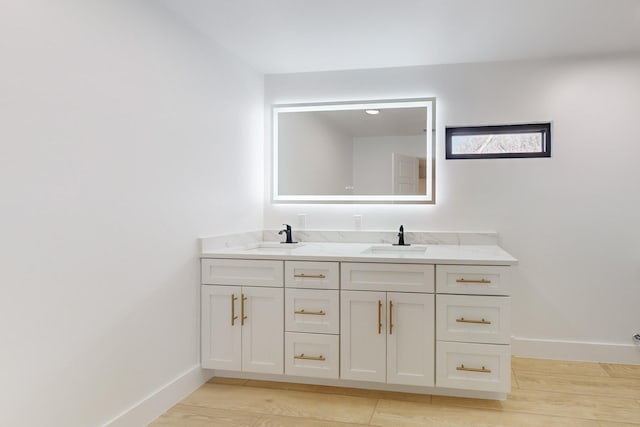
x: 389, y: 121
x: 284, y: 36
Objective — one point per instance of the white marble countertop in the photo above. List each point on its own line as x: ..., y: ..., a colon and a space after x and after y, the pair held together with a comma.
x: 367, y: 252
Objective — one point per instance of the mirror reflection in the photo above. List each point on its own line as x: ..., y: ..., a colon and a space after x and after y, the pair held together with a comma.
x: 379, y: 152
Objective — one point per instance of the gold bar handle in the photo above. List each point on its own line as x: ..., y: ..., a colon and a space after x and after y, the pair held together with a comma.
x: 379, y: 317
x: 233, y: 309
x: 482, y: 370
x: 242, y: 316
x: 481, y: 281
x: 312, y: 313
x: 321, y: 358
x: 309, y: 276
x: 390, y: 317
x: 482, y: 321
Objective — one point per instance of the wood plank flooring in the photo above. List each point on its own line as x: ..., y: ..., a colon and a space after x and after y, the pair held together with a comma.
x: 544, y: 393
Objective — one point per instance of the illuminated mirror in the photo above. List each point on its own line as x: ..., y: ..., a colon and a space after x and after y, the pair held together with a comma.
x: 354, y: 152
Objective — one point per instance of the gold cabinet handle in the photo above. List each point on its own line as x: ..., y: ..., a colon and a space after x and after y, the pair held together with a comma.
x: 481, y: 321
x: 312, y: 313
x: 482, y: 370
x: 390, y: 317
x: 481, y: 281
x: 233, y: 309
x: 242, y: 316
x: 309, y: 276
x: 379, y: 317
x: 303, y: 357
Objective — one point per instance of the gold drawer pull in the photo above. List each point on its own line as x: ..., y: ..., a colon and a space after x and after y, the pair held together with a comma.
x: 312, y: 313
x: 481, y: 370
x: 481, y: 281
x: 321, y: 358
x: 379, y: 317
x: 233, y: 309
x: 390, y: 317
x: 243, y: 298
x: 482, y: 321
x: 310, y: 276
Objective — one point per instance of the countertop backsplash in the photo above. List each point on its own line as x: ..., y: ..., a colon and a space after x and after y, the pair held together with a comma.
x: 336, y: 236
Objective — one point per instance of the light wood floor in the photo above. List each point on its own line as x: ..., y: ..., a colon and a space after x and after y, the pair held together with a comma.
x: 544, y: 393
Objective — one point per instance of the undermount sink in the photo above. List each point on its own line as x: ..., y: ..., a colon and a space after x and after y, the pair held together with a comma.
x: 390, y: 249
x: 273, y: 246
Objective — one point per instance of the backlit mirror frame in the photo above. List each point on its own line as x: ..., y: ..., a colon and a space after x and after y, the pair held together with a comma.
x: 428, y: 198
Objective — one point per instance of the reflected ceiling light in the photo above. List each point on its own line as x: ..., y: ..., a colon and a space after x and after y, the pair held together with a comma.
x: 372, y: 112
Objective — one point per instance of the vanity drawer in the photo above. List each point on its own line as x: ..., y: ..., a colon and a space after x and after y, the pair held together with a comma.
x: 484, y: 367
x: 312, y: 310
x: 245, y: 272
x: 311, y: 274
x: 478, y: 319
x: 387, y: 277
x: 473, y: 279
x: 311, y: 355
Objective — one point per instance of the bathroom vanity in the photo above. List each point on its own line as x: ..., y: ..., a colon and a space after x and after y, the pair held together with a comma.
x: 431, y: 318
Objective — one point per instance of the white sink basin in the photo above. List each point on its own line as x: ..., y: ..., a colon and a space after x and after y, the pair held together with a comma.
x: 390, y: 249
x: 272, y: 247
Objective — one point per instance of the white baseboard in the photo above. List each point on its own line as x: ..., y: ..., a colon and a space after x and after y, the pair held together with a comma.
x: 576, y: 350
x: 159, y: 401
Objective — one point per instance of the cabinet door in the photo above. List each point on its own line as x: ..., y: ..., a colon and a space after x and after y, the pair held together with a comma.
x: 221, y: 343
x: 410, y: 339
x: 363, y: 336
x: 263, y: 330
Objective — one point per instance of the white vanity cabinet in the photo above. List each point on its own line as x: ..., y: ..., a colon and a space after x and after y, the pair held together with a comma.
x: 242, y: 326
x: 312, y: 319
x: 433, y: 323
x: 387, y: 336
x: 473, y: 328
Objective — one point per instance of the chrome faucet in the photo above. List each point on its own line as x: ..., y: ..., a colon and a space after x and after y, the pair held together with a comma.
x: 401, y: 238
x: 287, y: 231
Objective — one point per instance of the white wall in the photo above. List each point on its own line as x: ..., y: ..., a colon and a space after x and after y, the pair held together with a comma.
x: 123, y: 138
x: 373, y: 164
x: 572, y: 220
x: 317, y: 154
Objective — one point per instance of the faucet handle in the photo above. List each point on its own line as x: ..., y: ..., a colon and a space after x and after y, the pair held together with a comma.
x: 401, y: 238
x: 287, y: 231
